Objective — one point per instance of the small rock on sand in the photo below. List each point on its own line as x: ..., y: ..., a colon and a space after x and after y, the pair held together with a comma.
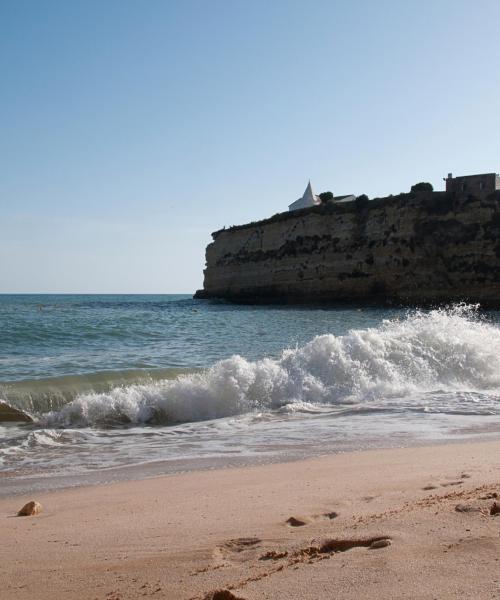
x: 221, y: 595
x: 294, y: 522
x: 495, y: 509
x: 30, y: 509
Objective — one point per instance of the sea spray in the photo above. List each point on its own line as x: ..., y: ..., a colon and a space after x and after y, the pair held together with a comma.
x: 450, y: 353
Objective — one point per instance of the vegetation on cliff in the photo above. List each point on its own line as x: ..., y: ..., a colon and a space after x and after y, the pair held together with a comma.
x: 423, y: 186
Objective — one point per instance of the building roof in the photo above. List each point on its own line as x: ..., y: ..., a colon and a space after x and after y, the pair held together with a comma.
x: 345, y: 198
x: 450, y: 175
x: 309, y: 198
x: 309, y: 195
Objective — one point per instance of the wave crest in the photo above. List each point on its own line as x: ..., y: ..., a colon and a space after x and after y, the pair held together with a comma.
x: 446, y: 350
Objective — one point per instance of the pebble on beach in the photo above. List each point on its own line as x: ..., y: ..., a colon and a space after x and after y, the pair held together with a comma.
x: 495, y: 509
x: 30, y: 509
x: 221, y: 595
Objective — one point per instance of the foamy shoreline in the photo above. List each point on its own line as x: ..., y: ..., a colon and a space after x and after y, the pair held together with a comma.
x: 480, y: 429
x: 184, y: 535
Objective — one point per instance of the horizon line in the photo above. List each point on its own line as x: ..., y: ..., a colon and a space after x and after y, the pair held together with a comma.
x: 96, y: 293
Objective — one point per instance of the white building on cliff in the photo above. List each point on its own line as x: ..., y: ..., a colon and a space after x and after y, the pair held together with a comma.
x: 310, y: 199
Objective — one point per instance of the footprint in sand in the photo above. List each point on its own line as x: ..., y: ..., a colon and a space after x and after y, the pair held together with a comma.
x: 274, y: 555
x: 431, y: 486
x: 459, y: 481
x: 330, y: 515
x: 241, y: 544
x: 238, y: 549
x: 311, y: 553
x: 344, y: 545
x: 341, y: 545
x: 301, y: 521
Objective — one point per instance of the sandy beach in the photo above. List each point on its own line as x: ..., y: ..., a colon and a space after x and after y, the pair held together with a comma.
x: 399, y: 523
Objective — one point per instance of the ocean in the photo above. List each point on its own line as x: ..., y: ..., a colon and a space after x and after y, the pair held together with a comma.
x: 118, y: 386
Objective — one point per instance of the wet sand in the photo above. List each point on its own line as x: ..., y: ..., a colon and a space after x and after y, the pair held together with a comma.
x: 399, y: 523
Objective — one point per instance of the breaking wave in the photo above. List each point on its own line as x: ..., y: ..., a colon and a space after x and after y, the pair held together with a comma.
x: 441, y: 360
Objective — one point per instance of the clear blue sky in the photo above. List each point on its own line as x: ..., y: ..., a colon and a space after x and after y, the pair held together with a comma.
x: 131, y: 130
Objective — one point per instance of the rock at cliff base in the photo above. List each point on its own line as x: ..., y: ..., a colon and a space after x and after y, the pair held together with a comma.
x: 30, y: 509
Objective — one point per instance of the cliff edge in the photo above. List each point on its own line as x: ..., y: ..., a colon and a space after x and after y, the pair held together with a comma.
x: 425, y: 247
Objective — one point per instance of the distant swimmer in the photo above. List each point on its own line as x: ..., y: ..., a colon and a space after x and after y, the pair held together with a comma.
x: 40, y: 307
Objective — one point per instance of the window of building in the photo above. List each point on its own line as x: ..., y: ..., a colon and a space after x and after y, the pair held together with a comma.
x: 481, y: 185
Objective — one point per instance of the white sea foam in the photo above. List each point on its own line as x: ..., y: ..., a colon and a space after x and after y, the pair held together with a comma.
x: 442, y: 360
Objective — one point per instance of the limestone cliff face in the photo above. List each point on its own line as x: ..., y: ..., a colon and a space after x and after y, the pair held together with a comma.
x: 412, y: 248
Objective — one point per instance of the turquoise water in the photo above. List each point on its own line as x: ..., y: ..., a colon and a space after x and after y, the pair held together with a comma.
x: 113, y: 381
x: 54, y: 335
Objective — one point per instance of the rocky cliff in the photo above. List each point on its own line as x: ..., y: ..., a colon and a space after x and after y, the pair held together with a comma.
x: 429, y: 247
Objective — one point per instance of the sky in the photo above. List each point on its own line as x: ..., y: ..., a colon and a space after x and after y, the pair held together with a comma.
x: 130, y: 130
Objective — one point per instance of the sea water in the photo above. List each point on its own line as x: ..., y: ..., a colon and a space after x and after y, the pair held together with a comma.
x: 165, y: 383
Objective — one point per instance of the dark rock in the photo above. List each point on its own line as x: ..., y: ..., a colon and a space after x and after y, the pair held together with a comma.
x: 495, y: 509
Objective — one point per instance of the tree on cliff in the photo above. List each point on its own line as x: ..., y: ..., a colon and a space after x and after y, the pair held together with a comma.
x: 423, y: 186
x: 362, y: 201
x: 326, y: 197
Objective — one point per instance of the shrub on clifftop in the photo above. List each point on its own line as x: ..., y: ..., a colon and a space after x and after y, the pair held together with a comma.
x: 362, y: 201
x: 326, y: 197
x: 423, y: 186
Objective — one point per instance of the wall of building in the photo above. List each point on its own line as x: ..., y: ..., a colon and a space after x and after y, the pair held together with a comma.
x: 477, y: 185
x: 413, y: 248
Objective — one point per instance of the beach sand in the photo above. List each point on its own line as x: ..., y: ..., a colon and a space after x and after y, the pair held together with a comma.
x: 298, y: 530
